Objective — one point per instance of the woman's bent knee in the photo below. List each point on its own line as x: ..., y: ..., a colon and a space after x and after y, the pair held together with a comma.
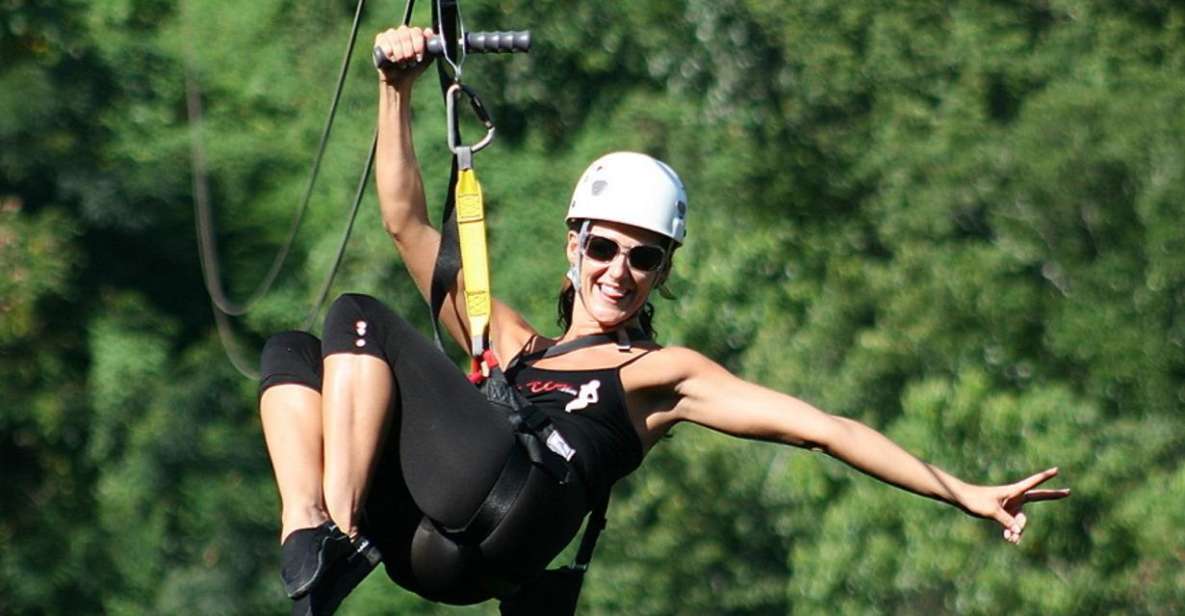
x: 290, y: 357
x: 360, y: 324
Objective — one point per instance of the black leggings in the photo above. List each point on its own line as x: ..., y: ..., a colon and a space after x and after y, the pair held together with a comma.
x: 446, y: 449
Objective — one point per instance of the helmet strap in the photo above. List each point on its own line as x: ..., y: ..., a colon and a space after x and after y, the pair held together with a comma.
x: 574, y: 271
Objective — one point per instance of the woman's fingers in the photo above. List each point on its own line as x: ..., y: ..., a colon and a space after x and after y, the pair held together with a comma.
x: 418, y: 44
x: 1024, y: 491
x: 407, y: 48
x: 1019, y: 493
x: 1029, y: 483
x: 385, y: 41
x: 1033, y: 496
x: 403, y: 46
x: 1014, y: 526
x: 1009, y: 522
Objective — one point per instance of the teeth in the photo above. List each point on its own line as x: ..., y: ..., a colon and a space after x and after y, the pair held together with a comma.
x: 613, y: 292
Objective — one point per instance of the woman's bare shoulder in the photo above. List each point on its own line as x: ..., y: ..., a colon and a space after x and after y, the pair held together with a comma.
x: 669, y: 366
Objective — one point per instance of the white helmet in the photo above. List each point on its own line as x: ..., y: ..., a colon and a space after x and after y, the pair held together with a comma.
x: 633, y: 189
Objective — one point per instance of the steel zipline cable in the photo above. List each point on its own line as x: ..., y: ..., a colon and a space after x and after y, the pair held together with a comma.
x: 204, y: 219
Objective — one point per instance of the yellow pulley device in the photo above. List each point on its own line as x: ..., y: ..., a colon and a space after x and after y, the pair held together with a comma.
x: 471, y: 225
x: 475, y: 266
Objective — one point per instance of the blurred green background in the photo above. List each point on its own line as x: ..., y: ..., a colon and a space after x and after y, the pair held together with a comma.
x: 959, y: 222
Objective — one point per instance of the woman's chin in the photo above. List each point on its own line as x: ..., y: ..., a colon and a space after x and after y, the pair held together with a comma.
x: 611, y: 317
x: 609, y: 313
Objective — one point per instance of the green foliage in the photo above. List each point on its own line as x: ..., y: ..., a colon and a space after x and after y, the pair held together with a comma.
x: 957, y: 222
x: 43, y: 424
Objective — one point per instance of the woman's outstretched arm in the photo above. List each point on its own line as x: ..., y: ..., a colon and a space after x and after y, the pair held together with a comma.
x: 709, y: 395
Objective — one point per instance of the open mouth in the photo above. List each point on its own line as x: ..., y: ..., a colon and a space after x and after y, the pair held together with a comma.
x: 613, y: 293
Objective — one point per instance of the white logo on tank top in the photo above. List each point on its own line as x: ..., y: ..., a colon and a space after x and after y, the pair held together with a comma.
x: 588, y: 395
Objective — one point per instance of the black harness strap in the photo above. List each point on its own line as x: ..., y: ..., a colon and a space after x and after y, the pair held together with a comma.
x: 533, y: 428
x: 534, y: 431
x: 498, y: 502
x: 592, y: 531
x: 582, y: 342
x: 448, y: 257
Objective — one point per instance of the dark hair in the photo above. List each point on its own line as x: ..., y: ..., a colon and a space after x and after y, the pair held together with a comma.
x: 568, y: 297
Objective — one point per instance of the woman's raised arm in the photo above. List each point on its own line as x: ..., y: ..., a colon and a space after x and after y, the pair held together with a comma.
x: 397, y: 172
x: 401, y: 190
x: 711, y: 396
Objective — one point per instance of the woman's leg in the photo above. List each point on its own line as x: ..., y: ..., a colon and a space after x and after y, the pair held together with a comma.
x: 356, y: 409
x: 290, y: 410
x: 316, y: 558
x: 291, y: 416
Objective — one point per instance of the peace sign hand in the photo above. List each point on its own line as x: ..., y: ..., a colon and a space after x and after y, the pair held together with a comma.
x: 1004, y: 503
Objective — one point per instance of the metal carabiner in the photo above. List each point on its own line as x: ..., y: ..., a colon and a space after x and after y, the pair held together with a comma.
x: 450, y: 105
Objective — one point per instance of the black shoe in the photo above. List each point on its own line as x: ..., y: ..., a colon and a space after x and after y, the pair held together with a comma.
x: 308, y: 553
x: 341, y: 578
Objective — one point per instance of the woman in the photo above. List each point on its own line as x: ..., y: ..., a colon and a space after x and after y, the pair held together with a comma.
x: 381, y: 446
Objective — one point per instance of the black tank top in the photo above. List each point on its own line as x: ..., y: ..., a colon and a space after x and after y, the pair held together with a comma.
x: 588, y: 408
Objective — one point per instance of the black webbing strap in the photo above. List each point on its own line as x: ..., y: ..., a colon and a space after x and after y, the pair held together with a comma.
x: 501, y: 498
x: 448, y: 256
x: 532, y: 427
x: 592, y: 531
x: 583, y: 342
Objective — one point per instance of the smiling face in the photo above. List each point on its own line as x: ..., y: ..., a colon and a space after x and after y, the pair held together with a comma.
x: 611, y: 292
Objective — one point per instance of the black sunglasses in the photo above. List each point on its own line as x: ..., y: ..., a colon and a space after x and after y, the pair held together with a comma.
x: 643, y: 258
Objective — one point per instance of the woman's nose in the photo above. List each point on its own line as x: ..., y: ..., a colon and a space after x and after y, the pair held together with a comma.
x: 619, y: 267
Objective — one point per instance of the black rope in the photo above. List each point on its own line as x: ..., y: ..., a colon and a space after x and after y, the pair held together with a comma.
x: 211, y: 269
x: 341, y: 248
x: 207, y: 248
x: 204, y: 221
x: 311, y: 319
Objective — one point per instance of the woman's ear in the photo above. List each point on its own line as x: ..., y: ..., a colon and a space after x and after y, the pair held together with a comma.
x: 573, y: 248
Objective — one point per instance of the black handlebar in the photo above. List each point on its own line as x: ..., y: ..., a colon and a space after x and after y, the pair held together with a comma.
x: 487, y: 42
x: 475, y: 42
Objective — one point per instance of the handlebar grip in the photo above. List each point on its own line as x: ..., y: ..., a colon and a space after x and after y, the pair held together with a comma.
x: 489, y: 42
x: 475, y: 42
